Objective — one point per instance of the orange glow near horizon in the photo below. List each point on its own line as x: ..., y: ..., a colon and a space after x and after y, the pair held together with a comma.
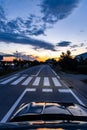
x: 40, y: 59
x: 8, y: 58
x: 43, y: 59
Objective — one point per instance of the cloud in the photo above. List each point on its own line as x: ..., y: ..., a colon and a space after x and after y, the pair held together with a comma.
x: 81, y: 44
x: 23, y: 56
x: 74, y: 46
x: 2, y: 19
x: 55, y: 10
x: 17, y: 38
x: 74, y: 50
x: 52, y: 11
x: 32, y: 26
x: 81, y: 31
x: 7, y: 55
x: 37, y: 31
x: 63, y: 44
x: 2, y: 14
x: 19, y: 31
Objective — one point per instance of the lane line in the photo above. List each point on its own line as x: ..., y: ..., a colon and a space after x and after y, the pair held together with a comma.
x: 36, y: 82
x: 39, y: 71
x: 17, y: 81
x: 79, y: 101
x: 46, y: 81
x: 8, y: 80
x: 27, y: 81
x: 69, y: 89
x: 6, y: 117
x: 55, y: 73
x: 47, y: 90
x: 77, y: 98
x: 56, y: 82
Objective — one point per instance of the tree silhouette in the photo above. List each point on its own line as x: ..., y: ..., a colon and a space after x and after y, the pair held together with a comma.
x: 67, y: 62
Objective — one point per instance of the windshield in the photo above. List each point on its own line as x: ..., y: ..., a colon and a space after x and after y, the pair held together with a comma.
x: 43, y: 59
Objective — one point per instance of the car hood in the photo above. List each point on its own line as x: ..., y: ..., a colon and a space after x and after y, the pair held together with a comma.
x: 51, y: 108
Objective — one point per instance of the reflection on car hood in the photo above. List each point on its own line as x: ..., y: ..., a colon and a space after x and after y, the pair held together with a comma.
x: 51, y: 108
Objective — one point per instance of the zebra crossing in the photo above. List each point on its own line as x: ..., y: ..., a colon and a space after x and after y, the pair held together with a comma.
x: 37, y: 81
x: 46, y: 81
x: 17, y: 81
x: 24, y: 81
x: 8, y: 80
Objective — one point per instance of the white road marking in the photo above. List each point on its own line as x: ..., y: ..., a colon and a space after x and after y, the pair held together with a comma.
x: 6, y: 117
x: 36, y: 82
x: 46, y: 81
x: 27, y: 81
x: 47, y: 90
x: 55, y: 73
x: 8, y: 80
x: 38, y: 71
x: 64, y: 90
x: 56, y: 82
x: 17, y: 81
x: 77, y: 98
x: 32, y: 89
x: 80, y: 102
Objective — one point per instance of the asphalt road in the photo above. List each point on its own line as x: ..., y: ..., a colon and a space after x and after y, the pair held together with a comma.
x: 38, y: 83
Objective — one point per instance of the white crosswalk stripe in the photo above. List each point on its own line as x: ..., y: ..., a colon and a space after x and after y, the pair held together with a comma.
x: 56, y: 82
x: 27, y: 81
x: 17, y: 81
x: 8, y: 80
x: 46, y: 81
x: 37, y: 81
x: 31, y: 89
x: 47, y: 90
x: 23, y: 80
x: 64, y: 90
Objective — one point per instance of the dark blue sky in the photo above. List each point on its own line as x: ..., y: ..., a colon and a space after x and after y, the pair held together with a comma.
x: 46, y: 26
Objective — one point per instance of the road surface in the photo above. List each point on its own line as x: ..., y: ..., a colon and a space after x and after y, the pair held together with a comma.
x: 38, y: 83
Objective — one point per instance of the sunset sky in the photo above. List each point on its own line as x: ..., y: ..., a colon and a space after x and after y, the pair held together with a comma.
x: 40, y: 29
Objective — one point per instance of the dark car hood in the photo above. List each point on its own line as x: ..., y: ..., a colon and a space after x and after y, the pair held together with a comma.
x: 51, y: 108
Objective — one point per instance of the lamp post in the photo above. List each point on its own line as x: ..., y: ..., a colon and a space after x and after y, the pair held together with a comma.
x: 17, y: 54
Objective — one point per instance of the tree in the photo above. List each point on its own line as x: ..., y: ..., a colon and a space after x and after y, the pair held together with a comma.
x: 67, y: 62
